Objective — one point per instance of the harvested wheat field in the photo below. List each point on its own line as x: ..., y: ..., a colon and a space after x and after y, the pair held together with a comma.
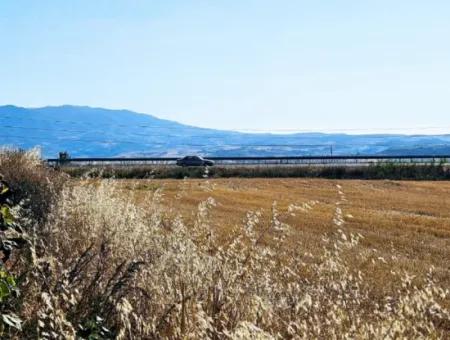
x: 404, y: 221
x: 405, y: 225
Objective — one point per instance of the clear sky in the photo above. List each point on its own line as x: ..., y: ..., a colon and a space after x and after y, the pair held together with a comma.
x: 235, y: 64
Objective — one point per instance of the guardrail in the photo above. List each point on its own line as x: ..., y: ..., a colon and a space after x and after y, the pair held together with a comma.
x: 271, y: 160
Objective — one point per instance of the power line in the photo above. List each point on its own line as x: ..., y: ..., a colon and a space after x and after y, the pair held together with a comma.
x: 86, y: 140
x: 165, y: 144
x: 222, y: 145
x: 184, y: 136
x: 76, y: 131
x: 241, y: 130
x: 339, y: 130
x: 185, y: 127
x: 216, y: 144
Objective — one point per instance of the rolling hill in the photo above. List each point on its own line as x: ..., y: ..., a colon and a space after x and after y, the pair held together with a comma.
x: 86, y: 131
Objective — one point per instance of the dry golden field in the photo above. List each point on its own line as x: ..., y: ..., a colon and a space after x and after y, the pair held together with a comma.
x: 221, y: 258
x: 404, y: 224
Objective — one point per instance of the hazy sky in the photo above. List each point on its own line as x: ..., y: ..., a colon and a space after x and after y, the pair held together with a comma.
x: 243, y: 64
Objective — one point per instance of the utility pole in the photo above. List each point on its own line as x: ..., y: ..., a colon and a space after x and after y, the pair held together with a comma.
x: 331, y: 150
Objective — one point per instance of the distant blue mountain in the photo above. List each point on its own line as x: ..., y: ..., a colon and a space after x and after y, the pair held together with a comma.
x: 85, y: 131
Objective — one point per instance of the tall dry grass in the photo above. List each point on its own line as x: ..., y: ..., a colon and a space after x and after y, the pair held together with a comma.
x: 103, y: 267
x: 35, y: 186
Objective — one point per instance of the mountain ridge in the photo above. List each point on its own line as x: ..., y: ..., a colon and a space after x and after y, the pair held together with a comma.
x: 92, y: 131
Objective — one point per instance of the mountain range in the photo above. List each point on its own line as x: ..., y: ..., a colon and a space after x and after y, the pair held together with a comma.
x: 96, y: 132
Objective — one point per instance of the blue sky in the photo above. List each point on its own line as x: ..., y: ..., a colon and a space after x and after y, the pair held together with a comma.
x: 248, y: 64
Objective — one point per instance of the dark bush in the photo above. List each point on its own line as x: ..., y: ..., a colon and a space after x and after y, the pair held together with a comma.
x: 379, y: 171
x: 32, y: 183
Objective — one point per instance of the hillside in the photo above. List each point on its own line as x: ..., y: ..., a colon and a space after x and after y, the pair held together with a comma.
x: 87, y: 131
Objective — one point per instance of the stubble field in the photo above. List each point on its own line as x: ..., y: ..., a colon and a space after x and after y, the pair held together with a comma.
x: 405, y: 225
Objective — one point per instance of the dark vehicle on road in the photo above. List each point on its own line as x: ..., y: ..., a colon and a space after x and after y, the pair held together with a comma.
x: 194, y: 161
